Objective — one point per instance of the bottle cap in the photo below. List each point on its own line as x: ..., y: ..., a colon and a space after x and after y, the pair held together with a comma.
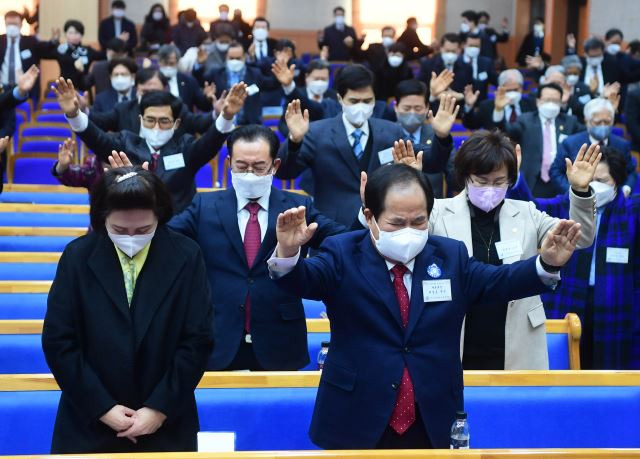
x: 325, y: 344
x: 461, y: 415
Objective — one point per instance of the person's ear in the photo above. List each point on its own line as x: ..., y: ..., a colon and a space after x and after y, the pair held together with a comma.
x: 177, y: 123
x: 368, y: 215
x: 276, y: 165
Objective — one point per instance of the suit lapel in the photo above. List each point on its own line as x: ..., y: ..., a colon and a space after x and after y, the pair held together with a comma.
x: 340, y: 140
x: 511, y: 228
x: 457, y: 220
x: 423, y: 260
x: 227, y: 208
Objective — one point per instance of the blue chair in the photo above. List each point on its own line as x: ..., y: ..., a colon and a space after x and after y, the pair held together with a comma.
x: 23, y: 306
x: 32, y: 170
x: 458, y: 140
x: 44, y: 198
x: 50, y: 117
x: 314, y: 309
x: 205, y: 175
x: 34, y: 243
x: 44, y: 219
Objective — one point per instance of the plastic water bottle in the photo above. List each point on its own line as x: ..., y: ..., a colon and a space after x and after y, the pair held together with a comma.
x: 322, y: 355
x: 460, y: 432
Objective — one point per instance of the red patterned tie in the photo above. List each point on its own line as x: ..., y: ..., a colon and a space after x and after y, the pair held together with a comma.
x: 252, y: 240
x: 514, y: 115
x: 154, y: 161
x: 404, y: 413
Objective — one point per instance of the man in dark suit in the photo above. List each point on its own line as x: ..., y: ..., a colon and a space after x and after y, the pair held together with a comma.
x: 448, y: 58
x: 395, y: 292
x: 600, y: 68
x: 176, y: 160
x: 188, y: 32
x: 260, y: 326
x: 122, y: 89
x: 533, y: 44
x: 337, y: 150
x: 118, y: 26
x: 482, y: 68
x: 632, y: 115
x: 599, y: 115
x: 539, y: 134
x: 376, y: 53
x: 508, y: 104
x: 259, y: 46
x: 409, y: 37
x: 237, y: 70
x: 99, y: 76
x: 223, y: 21
x: 340, y: 38
x: 181, y: 85
x: 490, y: 36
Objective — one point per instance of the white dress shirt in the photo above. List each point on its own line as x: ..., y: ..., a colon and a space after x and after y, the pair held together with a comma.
x: 4, y: 73
x: 263, y: 214
x: 350, y: 128
x: 261, y: 49
x: 498, y: 116
x: 554, y: 145
x: 408, y: 275
x: 173, y: 86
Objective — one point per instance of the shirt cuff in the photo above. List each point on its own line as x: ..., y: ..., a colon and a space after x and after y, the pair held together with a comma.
x: 547, y: 278
x: 289, y: 89
x: 223, y: 125
x: 498, y: 116
x: 279, y: 267
x: 80, y: 123
x: 16, y: 94
x: 626, y: 189
x: 362, y: 219
x: 468, y: 108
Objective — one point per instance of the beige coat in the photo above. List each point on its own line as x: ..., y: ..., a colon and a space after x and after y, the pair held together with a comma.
x: 525, y: 335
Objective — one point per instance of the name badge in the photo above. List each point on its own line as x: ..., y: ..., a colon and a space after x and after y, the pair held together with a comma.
x: 617, y: 255
x: 253, y: 89
x: 172, y: 162
x: 508, y: 249
x: 436, y: 290
x: 482, y: 76
x: 385, y: 156
x: 85, y: 60
x: 25, y: 54
x: 584, y: 99
x: 561, y: 138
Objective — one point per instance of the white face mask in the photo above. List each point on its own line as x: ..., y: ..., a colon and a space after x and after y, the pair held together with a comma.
x: 387, y: 41
x: 131, y: 245
x: 465, y: 27
x: 514, y: 97
x: 318, y: 87
x: 339, y: 20
x: 572, y: 79
x: 594, y: 61
x: 357, y: 114
x: 157, y: 138
x: 613, y: 48
x: 157, y: 15
x: 235, y: 65
x: 121, y: 83
x: 260, y: 34
x: 549, y: 110
x: 222, y: 47
x: 482, y: 26
x: 395, y: 61
x: 251, y: 186
x: 538, y: 29
x: 449, y: 58
x: 224, y: 15
x: 169, y: 72
x: 604, y: 192
x: 472, y: 52
x: 13, y: 31
x: 401, y: 245
x: 118, y: 13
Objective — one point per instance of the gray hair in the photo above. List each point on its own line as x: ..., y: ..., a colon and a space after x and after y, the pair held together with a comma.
x: 510, y: 74
x: 593, y: 43
x: 596, y: 105
x: 554, y: 69
x: 167, y: 50
x: 571, y: 61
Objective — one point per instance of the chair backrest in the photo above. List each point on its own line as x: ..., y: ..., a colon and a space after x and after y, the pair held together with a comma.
x: 563, y: 342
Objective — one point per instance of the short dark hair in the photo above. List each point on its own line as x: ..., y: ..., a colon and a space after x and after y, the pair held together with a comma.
x: 411, y: 19
x: 470, y: 15
x: 483, y: 14
x: 318, y: 64
x: 484, y: 152
x: 13, y: 14
x: 411, y: 87
x: 450, y: 37
x: 352, y: 76
x: 145, y: 190
x: 75, y: 24
x: 251, y: 133
x: 554, y: 86
x: 118, y: 4
x: 190, y: 15
x: 397, y: 47
x: 283, y: 44
x: 612, y: 33
x: 117, y: 45
x: 261, y: 19
x: 145, y: 75
x: 538, y: 19
x: 235, y: 44
x: 223, y: 29
x: 130, y: 64
x: 223, y: 5
x: 617, y: 165
x: 386, y: 177
x: 593, y: 43
x: 161, y: 99
x: 388, y: 27
x: 338, y: 8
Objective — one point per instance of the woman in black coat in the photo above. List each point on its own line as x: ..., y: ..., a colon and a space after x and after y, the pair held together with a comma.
x: 129, y: 325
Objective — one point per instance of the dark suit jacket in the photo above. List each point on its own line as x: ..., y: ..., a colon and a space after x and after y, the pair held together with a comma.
x: 107, y: 31
x: 107, y: 100
x: 327, y: 108
x: 528, y: 48
x: 180, y: 182
x: 326, y: 151
x: 278, y: 327
x: 415, y: 49
x: 481, y: 116
x: 569, y: 149
x: 387, y: 78
x: 271, y: 44
x: 489, y: 37
x: 612, y: 70
x: 427, y: 140
x: 103, y: 352
x: 334, y: 39
x: 463, y: 72
x: 126, y: 117
x: 191, y: 93
x: 527, y: 131
x: 581, y: 95
x: 632, y: 114
x: 99, y: 76
x: 486, y: 75
x: 32, y: 51
x: 357, y: 393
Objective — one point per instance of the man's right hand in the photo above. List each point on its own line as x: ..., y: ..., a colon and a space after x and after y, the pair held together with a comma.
x: 234, y: 101
x: 120, y: 159
x: 470, y: 97
x: 501, y: 99
x: 202, y: 55
x: 4, y: 141
x: 66, y: 151
x: 297, y: 121
x: 293, y: 232
x: 571, y: 41
x: 283, y: 74
x: 118, y: 418
x: 67, y: 97
x: 440, y: 83
x: 27, y: 80
x: 403, y: 154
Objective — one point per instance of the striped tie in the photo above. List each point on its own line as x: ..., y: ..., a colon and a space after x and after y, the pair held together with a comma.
x: 357, y: 146
x: 252, y: 241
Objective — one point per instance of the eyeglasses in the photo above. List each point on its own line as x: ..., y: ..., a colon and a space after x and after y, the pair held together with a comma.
x: 249, y: 169
x: 150, y: 122
x: 501, y: 183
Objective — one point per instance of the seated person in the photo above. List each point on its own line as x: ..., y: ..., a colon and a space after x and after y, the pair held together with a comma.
x: 482, y: 68
x: 212, y: 55
x: 181, y: 85
x: 122, y: 71
x: 580, y: 92
x: 448, y: 58
x: 99, y: 76
x: 392, y: 70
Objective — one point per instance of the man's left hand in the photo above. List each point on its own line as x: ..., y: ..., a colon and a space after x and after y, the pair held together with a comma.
x: 145, y: 422
x: 560, y: 243
x: 234, y: 101
x: 580, y: 173
x: 446, y: 116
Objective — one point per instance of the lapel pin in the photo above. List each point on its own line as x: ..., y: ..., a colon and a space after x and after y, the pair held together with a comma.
x: 429, y: 142
x: 561, y: 128
x: 434, y: 271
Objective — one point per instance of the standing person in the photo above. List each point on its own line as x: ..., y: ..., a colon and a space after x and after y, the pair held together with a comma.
x: 73, y: 57
x: 118, y: 26
x: 490, y: 36
x: 410, y: 39
x: 243, y: 28
x: 188, y: 32
x: 122, y: 72
x: 99, y: 76
x: 396, y: 292
x: 129, y: 325
x: 180, y: 84
x: 533, y: 44
x: 156, y: 30
x: 340, y: 38
x: 223, y: 20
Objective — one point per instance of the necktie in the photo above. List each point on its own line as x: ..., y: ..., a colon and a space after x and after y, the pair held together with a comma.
x: 154, y: 161
x: 252, y: 241
x: 124, y: 98
x: 546, y: 152
x: 404, y: 412
x: 357, y: 146
x: 514, y: 116
x: 129, y: 278
x: 12, y: 63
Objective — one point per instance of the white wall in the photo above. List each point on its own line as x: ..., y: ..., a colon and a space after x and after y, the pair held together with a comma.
x: 304, y: 14
x: 622, y: 14
x: 138, y: 9
x: 497, y: 9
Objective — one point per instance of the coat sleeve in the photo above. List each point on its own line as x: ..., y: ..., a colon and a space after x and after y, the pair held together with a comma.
x: 632, y: 114
x: 62, y: 350
x: 631, y: 166
x: 186, y: 222
x: 296, y: 157
x: 105, y: 120
x: 326, y: 226
x: 558, y: 167
x: 193, y: 351
x: 435, y: 159
x: 102, y: 143
x: 205, y: 148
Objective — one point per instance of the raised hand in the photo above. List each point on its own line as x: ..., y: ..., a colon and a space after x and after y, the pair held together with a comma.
x: 560, y: 243
x: 470, y: 97
x: 293, y: 232
x: 611, y: 92
x: 79, y: 65
x: 234, y: 101
x: 324, y: 53
x: 594, y: 83
x: 252, y: 50
x: 363, y: 185
x: 66, y: 152
x: 348, y: 41
x: 439, y: 84
x: 202, y: 55
x: 120, y: 159
x: 446, y: 116
x: 571, y: 41
x: 566, y: 94
x: 580, y: 173
x: 297, y: 121
x: 219, y: 102
x: 27, y: 80
x: 67, y: 97
x: 4, y: 142
x: 83, y: 99
x: 55, y: 34
x: 283, y: 73
x: 210, y: 91
x: 119, y: 418
x: 403, y: 154
x: 504, y: 24
x: 501, y: 100
x: 534, y: 62
x: 146, y: 421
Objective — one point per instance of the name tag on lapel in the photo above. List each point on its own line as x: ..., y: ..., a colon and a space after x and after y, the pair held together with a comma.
x: 617, y: 255
x: 561, y: 138
x: 25, y: 54
x: 385, y: 156
x: 172, y: 162
x: 584, y: 99
x: 436, y: 290
x: 482, y: 76
x: 508, y: 249
x: 253, y: 89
